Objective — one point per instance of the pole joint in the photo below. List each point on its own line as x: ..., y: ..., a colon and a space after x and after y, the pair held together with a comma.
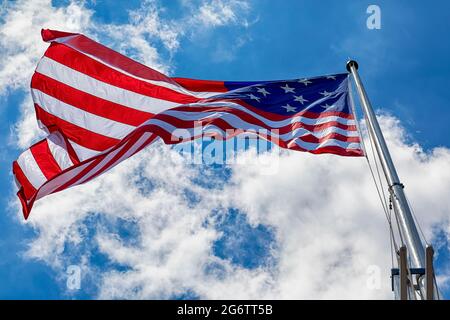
x: 401, y: 185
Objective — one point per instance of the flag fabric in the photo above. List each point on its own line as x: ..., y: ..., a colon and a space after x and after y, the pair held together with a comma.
x: 99, y: 108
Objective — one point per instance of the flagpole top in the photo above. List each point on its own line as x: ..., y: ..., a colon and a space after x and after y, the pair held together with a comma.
x: 351, y: 63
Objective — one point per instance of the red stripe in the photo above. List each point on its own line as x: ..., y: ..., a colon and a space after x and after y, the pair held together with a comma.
x: 28, y: 189
x: 44, y: 159
x: 97, y: 70
x: 290, y: 143
x: 72, y: 154
x: 79, y: 135
x: 26, y: 205
x: 201, y: 85
x: 88, y: 102
x: 49, y: 35
x: 333, y: 150
x: 84, y: 44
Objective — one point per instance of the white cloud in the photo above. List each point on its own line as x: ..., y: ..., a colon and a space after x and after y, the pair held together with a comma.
x: 21, y: 47
x: 26, y: 129
x: 20, y: 38
x: 329, y: 226
x: 140, y: 36
x: 143, y: 38
x: 329, y: 219
x: 218, y: 13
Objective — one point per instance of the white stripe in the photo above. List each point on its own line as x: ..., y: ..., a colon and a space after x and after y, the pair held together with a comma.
x: 42, y: 126
x: 188, y: 115
x: 82, y: 152
x: 31, y: 169
x: 58, y: 148
x: 59, y: 180
x: 81, y: 118
x: 65, y: 39
x: 168, y: 85
x: 83, y: 82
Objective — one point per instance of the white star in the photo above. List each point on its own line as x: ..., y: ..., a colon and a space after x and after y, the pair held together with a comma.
x: 331, y: 77
x: 253, y: 97
x: 300, y: 99
x: 325, y: 93
x: 263, y: 91
x: 289, y: 108
x: 287, y: 89
x: 326, y: 106
x: 305, y: 81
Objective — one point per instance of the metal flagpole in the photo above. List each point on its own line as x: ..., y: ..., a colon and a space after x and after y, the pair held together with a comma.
x: 408, y: 227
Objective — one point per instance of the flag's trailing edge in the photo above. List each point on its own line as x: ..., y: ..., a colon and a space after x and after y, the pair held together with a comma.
x: 100, y: 107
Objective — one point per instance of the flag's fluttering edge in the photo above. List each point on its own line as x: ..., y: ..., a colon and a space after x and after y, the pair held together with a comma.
x: 100, y: 107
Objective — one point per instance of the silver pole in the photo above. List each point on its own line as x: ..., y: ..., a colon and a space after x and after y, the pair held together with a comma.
x: 408, y: 227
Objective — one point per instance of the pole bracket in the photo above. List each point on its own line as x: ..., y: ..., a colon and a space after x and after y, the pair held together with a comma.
x: 429, y: 273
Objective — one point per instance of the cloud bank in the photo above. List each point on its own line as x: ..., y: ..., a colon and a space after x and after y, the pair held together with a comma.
x: 158, y: 220
x: 157, y: 226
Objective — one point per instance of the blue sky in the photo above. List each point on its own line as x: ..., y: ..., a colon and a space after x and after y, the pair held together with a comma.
x: 405, y: 67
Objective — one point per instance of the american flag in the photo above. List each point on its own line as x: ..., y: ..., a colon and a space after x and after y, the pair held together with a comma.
x: 99, y: 108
